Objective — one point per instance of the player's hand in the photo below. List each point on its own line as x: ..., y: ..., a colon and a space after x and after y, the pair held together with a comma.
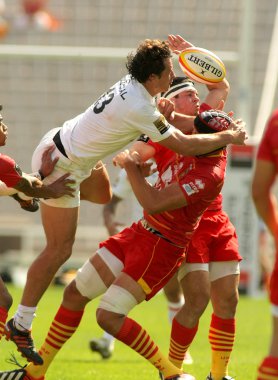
x: 118, y: 160
x: 167, y: 108
x: 239, y: 131
x: 177, y: 44
x: 148, y: 168
x: 62, y: 186
x: 48, y: 162
x: 122, y: 158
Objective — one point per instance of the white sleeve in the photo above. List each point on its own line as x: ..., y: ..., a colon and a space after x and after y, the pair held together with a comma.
x: 152, y: 123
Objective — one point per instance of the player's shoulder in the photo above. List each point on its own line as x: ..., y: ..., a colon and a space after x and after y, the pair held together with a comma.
x: 4, y: 159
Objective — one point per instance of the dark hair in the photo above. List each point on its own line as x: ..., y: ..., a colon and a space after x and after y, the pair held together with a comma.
x: 179, y: 80
x: 148, y: 59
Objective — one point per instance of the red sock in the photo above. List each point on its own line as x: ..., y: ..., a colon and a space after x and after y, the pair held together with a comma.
x: 268, y: 369
x: 181, y: 338
x: 3, y: 318
x: 221, y: 338
x: 134, y: 336
x: 61, y: 329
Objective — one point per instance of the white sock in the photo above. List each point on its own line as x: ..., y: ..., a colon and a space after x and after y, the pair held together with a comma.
x: 173, y: 308
x: 108, y: 337
x: 24, y: 316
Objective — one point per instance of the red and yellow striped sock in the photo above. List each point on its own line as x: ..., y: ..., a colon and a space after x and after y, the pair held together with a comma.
x: 3, y: 318
x: 221, y: 338
x: 134, y: 336
x: 181, y: 338
x: 268, y: 370
x: 62, y: 328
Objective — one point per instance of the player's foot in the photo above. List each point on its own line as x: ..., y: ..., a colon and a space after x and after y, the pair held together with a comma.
x: 24, y: 343
x: 103, y: 346
x: 209, y: 377
x: 17, y: 374
x: 31, y: 205
x: 187, y: 358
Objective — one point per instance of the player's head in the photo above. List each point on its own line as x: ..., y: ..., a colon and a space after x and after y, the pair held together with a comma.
x: 152, y: 62
x: 3, y: 130
x: 184, y: 95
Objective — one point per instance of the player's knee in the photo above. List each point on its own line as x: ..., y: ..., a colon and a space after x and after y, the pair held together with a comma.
x: 108, y: 321
x: 70, y: 291
x: 225, y: 306
x: 199, y: 302
x: 59, y: 251
x: 72, y: 298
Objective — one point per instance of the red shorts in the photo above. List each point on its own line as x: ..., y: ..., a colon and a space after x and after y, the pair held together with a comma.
x: 214, y: 240
x: 149, y: 259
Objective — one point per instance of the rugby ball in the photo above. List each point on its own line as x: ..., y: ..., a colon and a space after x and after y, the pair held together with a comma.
x: 202, y: 65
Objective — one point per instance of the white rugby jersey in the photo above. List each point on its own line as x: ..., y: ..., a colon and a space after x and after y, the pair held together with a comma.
x: 118, y: 117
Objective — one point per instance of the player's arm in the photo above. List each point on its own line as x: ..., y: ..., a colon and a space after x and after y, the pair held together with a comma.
x: 197, y: 144
x: 97, y: 188
x: 217, y: 94
x: 151, y: 199
x: 34, y: 187
x: 144, y: 150
x: 264, y: 199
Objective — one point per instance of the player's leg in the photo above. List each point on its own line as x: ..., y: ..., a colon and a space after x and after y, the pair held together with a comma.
x: 60, y: 227
x: 5, y: 304
x: 122, y: 296
x: 96, y: 188
x: 175, y: 300
x: 91, y: 280
x: 269, y: 365
x: 224, y: 298
x: 194, y: 280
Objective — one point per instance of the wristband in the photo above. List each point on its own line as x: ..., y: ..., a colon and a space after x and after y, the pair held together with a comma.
x: 41, y: 175
x: 38, y: 175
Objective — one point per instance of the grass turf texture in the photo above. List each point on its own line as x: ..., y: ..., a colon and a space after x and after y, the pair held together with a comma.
x: 76, y: 361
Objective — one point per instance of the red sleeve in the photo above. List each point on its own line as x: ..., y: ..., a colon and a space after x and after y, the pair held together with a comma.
x: 268, y: 148
x: 10, y: 173
x: 204, y: 107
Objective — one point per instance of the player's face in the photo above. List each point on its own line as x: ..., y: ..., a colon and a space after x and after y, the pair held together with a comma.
x: 187, y: 102
x: 3, y: 132
x: 165, y: 79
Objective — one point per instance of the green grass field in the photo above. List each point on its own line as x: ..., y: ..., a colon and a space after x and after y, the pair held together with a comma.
x: 77, y: 362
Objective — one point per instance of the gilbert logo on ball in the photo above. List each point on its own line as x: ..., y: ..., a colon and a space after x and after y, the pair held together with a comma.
x: 202, y: 65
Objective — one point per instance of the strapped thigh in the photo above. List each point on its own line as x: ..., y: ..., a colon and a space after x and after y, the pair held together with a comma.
x: 117, y: 300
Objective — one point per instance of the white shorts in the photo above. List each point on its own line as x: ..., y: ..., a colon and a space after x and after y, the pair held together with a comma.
x: 64, y: 165
x: 216, y: 269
